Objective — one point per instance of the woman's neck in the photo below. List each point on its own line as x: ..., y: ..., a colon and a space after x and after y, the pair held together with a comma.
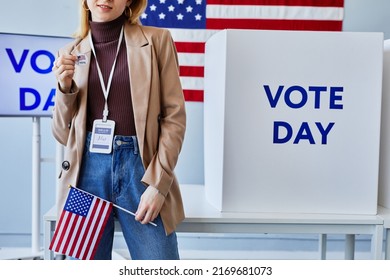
x: 106, y: 31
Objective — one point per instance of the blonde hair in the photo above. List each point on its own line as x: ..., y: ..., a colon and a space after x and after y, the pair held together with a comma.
x: 137, y: 8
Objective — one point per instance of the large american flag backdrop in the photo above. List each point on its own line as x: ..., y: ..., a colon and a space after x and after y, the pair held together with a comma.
x: 192, y: 22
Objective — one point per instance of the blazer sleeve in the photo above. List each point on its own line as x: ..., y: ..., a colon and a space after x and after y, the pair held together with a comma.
x: 63, y: 112
x: 65, y: 106
x: 160, y: 171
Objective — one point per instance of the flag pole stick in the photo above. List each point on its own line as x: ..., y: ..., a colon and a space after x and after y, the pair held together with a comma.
x: 117, y: 206
x: 131, y: 213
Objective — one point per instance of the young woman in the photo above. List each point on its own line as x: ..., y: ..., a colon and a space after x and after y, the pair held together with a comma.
x: 119, y: 76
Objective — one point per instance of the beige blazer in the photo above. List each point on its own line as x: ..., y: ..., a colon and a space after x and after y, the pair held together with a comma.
x: 159, y: 112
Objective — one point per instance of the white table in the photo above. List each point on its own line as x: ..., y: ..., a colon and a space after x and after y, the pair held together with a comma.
x: 201, y: 217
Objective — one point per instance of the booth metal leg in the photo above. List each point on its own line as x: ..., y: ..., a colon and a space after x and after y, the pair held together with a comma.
x: 323, y: 246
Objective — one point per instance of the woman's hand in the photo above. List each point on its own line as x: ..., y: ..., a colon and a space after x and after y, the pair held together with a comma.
x: 63, y: 68
x: 150, y: 205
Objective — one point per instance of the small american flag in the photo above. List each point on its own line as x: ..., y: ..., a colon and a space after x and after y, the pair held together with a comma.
x: 192, y: 22
x: 81, y: 225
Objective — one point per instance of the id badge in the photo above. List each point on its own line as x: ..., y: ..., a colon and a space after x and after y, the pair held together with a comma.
x: 102, y: 137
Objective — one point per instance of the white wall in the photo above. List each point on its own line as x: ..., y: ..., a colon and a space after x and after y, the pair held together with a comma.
x: 60, y: 18
x: 367, y: 16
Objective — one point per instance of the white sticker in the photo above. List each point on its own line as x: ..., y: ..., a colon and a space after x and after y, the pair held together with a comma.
x: 81, y: 59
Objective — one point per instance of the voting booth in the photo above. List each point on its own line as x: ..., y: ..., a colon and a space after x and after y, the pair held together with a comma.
x: 292, y: 121
x: 384, y: 172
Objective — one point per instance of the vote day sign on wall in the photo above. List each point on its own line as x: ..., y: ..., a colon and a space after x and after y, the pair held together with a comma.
x: 292, y: 121
x: 27, y: 84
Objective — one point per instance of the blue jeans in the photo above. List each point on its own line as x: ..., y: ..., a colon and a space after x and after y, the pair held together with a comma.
x: 116, y: 177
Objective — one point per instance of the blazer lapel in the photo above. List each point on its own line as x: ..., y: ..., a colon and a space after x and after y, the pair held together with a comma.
x: 83, y: 48
x: 139, y: 61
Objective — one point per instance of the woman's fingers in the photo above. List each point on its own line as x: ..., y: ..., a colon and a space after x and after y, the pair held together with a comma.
x: 64, y: 68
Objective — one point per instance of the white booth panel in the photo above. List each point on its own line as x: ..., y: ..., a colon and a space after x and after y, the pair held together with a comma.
x: 292, y: 121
